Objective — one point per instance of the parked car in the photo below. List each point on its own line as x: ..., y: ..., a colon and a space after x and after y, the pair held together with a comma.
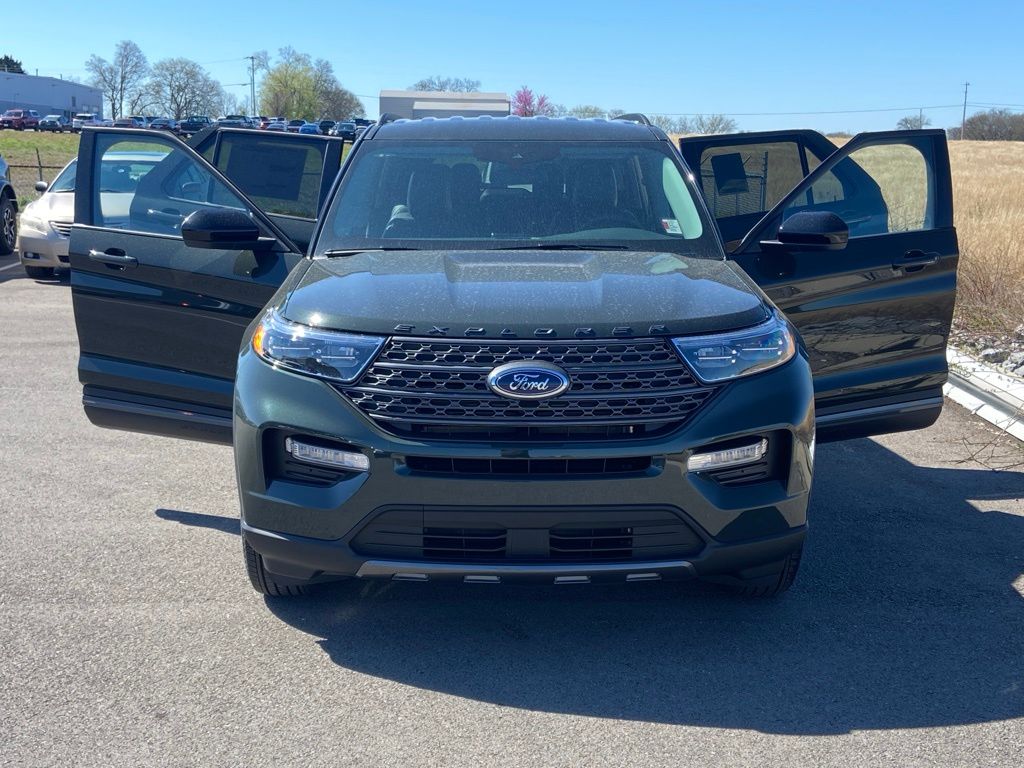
x: 129, y: 122
x: 8, y: 211
x: 84, y: 120
x: 235, y: 121
x: 142, y: 120
x: 277, y: 125
x: 310, y: 129
x: 346, y: 130
x: 55, y: 124
x: 515, y: 349
x: 164, y: 124
x: 294, y: 125
x: 42, y: 238
x: 194, y: 124
x: 20, y: 119
x: 262, y: 122
x: 325, y: 126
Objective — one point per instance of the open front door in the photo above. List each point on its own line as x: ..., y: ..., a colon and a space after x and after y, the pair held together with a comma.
x: 160, y: 319
x: 861, y: 255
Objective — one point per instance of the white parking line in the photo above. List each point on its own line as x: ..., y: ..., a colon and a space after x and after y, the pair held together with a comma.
x: 11, y: 266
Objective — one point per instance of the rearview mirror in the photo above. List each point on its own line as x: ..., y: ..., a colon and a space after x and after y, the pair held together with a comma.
x: 226, y: 228
x: 812, y: 231
x: 42, y: 186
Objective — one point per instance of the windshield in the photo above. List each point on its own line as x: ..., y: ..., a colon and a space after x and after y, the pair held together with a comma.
x: 65, y: 182
x: 501, y: 194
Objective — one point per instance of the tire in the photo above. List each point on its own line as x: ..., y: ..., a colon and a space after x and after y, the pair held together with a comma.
x: 262, y: 581
x: 8, y: 226
x: 39, y: 273
x: 775, y: 584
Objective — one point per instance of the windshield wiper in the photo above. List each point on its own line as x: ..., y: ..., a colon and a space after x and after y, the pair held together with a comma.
x: 354, y: 251
x: 564, y: 247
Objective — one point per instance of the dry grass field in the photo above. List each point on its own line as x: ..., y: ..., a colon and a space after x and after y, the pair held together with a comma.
x: 988, y: 194
x: 988, y: 188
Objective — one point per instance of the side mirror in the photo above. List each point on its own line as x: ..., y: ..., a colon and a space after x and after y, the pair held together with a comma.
x: 812, y: 231
x: 224, y: 228
x: 42, y: 186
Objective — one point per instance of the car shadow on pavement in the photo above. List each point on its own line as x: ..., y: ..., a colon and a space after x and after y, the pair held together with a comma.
x: 908, y: 613
x: 200, y: 520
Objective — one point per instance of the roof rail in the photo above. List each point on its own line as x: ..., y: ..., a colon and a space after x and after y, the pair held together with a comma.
x: 635, y: 117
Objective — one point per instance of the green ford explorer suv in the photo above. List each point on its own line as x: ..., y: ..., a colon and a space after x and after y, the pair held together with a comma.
x: 492, y: 350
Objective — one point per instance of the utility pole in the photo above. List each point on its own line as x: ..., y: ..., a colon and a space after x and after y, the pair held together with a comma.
x: 252, y: 83
x: 963, y: 119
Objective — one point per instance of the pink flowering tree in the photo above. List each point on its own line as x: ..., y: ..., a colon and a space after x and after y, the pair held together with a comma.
x: 527, y: 104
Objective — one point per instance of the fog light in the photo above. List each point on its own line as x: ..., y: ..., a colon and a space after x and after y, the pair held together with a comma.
x: 327, y: 457
x: 728, y: 457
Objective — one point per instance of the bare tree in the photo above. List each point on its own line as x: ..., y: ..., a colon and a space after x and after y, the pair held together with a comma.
x: 586, y: 110
x: 450, y: 84
x: 913, y: 122
x: 180, y: 87
x: 121, y: 79
x: 707, y: 124
x: 671, y: 124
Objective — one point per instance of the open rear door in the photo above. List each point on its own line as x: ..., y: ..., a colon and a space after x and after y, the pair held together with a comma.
x: 288, y: 175
x: 160, y: 320
x: 744, y: 175
x: 867, y: 274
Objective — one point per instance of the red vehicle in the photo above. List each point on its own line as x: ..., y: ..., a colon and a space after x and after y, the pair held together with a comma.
x: 20, y: 119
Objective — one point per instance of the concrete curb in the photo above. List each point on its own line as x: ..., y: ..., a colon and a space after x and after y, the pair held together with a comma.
x: 994, y: 396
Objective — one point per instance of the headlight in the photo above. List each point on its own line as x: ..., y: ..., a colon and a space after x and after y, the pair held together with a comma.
x: 737, y: 353
x: 31, y: 222
x: 302, y: 348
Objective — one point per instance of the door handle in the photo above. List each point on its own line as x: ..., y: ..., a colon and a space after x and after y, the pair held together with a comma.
x: 114, y: 257
x: 914, y: 260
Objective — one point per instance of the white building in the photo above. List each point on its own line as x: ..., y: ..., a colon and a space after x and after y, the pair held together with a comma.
x: 415, y: 104
x: 48, y: 95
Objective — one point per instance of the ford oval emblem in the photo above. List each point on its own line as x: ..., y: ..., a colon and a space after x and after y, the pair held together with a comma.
x: 528, y: 380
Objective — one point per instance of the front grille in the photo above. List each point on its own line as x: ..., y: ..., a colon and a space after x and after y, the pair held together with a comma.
x: 62, y: 228
x: 438, y: 388
x: 442, y: 465
x: 464, y: 543
x: 486, y: 535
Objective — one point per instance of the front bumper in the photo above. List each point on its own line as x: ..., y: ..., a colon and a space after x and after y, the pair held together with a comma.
x: 42, y: 249
x: 307, y: 533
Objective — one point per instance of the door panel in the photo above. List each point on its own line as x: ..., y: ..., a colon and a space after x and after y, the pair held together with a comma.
x: 288, y: 175
x: 744, y: 175
x: 875, y: 316
x: 159, y: 323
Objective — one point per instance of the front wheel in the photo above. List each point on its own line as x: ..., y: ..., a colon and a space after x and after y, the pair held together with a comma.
x: 264, y: 582
x: 774, y: 583
x: 8, y: 226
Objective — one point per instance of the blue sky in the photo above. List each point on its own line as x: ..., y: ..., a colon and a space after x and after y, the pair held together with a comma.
x: 653, y: 56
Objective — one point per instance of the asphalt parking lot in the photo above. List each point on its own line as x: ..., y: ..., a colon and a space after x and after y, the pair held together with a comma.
x: 131, y: 637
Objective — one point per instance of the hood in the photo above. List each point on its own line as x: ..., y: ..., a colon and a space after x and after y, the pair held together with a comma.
x: 53, y: 206
x: 523, y: 294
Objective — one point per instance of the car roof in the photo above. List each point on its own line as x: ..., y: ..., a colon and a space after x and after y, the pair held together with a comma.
x: 513, y: 127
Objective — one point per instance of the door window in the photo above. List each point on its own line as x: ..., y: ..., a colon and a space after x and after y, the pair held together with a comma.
x: 281, y: 177
x: 876, y: 189
x: 749, y: 178
x: 146, y: 184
